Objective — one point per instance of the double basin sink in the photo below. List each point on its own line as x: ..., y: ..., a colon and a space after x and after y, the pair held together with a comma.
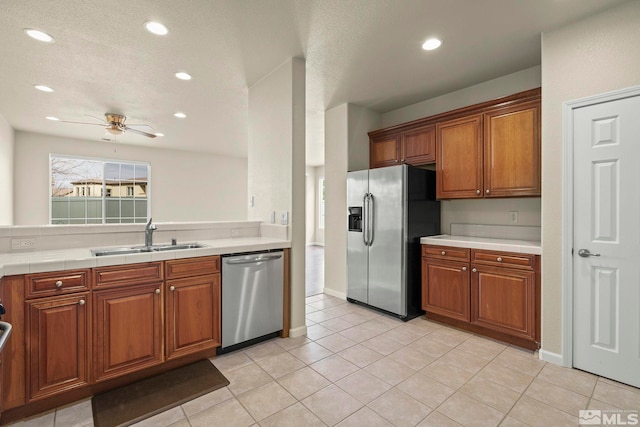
x: 126, y: 250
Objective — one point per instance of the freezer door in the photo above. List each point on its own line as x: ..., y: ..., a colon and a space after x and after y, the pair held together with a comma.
x: 387, y: 284
x: 357, y: 251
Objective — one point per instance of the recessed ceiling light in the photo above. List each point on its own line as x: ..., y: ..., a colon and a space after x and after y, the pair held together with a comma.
x: 183, y: 76
x: 39, y: 35
x: 53, y: 119
x: 43, y: 88
x: 180, y: 115
x: 159, y: 134
x: 431, y: 44
x: 156, y: 28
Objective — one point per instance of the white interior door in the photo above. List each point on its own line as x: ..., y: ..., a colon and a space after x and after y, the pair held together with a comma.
x: 606, y: 206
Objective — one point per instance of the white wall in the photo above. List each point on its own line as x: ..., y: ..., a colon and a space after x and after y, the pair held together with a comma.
x: 6, y: 172
x: 493, y: 211
x: 318, y: 232
x: 185, y: 186
x: 589, y: 57
x: 310, y: 204
x: 276, y: 165
x: 346, y: 149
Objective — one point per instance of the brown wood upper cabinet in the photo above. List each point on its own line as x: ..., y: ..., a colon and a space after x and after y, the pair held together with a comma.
x: 493, y: 154
x: 416, y: 146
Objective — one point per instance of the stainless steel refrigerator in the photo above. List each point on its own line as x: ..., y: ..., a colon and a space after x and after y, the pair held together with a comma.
x: 389, y: 210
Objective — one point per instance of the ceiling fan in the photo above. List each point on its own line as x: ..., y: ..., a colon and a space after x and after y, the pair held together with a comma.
x: 115, y: 124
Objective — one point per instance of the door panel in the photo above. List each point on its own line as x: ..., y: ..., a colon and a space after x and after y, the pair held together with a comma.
x: 445, y: 288
x: 606, y: 221
x: 387, y: 284
x: 357, y: 252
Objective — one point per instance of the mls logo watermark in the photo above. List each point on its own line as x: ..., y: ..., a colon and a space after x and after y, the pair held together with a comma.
x: 597, y: 417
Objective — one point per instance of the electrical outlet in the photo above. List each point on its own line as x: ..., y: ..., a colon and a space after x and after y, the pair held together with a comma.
x: 513, y: 217
x: 21, y: 244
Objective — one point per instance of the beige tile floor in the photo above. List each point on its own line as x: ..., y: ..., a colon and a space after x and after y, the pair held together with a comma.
x: 360, y: 368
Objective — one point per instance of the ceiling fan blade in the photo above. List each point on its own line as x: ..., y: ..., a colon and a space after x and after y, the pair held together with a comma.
x: 140, y: 126
x: 94, y: 117
x: 83, y: 123
x: 139, y: 132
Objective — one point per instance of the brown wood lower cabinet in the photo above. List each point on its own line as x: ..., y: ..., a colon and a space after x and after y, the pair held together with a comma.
x: 127, y: 329
x: 446, y: 289
x: 192, y: 315
x: 58, y: 345
x: 487, y: 292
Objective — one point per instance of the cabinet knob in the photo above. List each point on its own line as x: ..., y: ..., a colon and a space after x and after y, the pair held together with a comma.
x: 81, y: 302
x: 474, y: 270
x: 477, y: 191
x: 59, y: 284
x: 487, y: 191
x: 172, y: 288
x: 157, y: 291
x: 499, y: 259
x: 443, y: 253
x: 464, y: 268
x: 396, y: 160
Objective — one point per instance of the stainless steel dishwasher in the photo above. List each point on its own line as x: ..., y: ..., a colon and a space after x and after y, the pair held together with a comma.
x: 252, y: 298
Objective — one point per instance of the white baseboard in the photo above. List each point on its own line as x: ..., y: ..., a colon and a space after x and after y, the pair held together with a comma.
x: 298, y: 332
x: 333, y: 293
x: 550, y: 357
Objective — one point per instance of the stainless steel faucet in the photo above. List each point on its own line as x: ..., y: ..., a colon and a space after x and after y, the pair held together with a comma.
x: 148, y: 233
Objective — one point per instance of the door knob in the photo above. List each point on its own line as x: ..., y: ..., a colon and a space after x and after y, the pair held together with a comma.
x: 584, y: 253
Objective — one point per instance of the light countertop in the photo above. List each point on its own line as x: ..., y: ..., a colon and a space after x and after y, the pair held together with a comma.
x: 518, y: 246
x: 68, y: 259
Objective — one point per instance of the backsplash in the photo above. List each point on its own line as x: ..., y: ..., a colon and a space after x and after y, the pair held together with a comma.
x: 51, y: 237
x: 515, y: 232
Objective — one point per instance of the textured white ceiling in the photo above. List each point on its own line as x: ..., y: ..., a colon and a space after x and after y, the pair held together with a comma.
x: 365, y: 52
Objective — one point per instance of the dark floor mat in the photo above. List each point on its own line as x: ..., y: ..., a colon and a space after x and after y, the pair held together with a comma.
x: 129, y: 404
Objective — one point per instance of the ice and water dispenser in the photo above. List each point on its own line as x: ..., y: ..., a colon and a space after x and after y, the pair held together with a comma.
x: 355, y: 218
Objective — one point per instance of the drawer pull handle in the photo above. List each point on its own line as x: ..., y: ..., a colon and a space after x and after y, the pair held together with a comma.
x: 499, y: 259
x: 172, y: 288
x: 59, y: 284
x: 157, y: 291
x: 474, y: 270
x: 464, y: 268
x: 81, y: 302
x: 443, y: 253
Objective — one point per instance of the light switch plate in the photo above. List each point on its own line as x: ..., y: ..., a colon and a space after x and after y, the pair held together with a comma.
x: 284, y: 218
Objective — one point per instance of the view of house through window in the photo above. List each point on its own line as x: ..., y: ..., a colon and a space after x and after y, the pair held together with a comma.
x: 98, y: 191
x: 321, y: 203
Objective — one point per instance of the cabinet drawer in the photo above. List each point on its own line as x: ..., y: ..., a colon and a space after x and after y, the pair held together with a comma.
x: 445, y: 252
x: 56, y: 283
x: 117, y: 275
x: 504, y: 259
x: 189, y: 267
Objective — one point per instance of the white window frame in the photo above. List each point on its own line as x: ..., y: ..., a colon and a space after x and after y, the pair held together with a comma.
x: 103, y: 196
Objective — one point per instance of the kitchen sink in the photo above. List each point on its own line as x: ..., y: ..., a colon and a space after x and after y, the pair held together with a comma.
x: 127, y: 250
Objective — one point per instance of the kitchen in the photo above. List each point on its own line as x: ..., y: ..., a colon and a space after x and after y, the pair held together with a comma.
x: 562, y: 77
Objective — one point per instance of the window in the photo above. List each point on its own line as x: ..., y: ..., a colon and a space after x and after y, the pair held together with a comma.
x: 98, y: 191
x: 321, y: 203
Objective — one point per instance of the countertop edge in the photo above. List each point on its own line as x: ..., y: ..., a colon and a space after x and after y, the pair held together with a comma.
x: 78, y: 258
x: 508, y: 245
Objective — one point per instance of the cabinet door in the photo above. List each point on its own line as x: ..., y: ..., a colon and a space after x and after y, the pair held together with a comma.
x: 459, y: 158
x: 445, y: 288
x: 512, y: 151
x: 127, y: 329
x: 418, y: 146
x: 384, y: 151
x: 192, y: 315
x: 503, y: 299
x: 57, y: 345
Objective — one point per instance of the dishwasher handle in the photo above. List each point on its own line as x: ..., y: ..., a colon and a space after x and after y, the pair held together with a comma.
x: 259, y: 258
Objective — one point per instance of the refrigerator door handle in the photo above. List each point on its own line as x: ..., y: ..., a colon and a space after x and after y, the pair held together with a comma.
x: 364, y: 218
x: 371, y: 211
